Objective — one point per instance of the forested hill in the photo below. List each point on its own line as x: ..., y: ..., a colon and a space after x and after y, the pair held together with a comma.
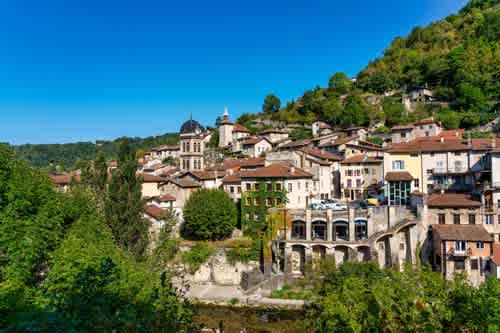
x: 458, y: 58
x: 67, y: 155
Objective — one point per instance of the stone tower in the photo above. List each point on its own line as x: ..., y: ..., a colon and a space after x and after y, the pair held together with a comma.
x: 225, y: 130
x: 192, y: 146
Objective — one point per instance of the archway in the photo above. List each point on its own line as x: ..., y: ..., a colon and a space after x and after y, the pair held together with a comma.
x: 340, y: 230
x: 299, y: 230
x: 364, y: 253
x: 360, y: 229
x: 318, y: 254
x: 298, y: 259
x: 319, y: 231
x: 341, y: 254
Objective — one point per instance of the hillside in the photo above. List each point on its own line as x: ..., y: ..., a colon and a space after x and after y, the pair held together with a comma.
x: 458, y: 58
x: 67, y: 155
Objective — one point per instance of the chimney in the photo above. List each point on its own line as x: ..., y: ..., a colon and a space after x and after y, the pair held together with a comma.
x: 442, y: 139
x: 292, y: 169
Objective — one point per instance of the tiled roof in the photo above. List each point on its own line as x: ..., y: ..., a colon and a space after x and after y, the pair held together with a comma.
x: 64, y: 178
x: 277, y: 170
x: 154, y: 211
x: 274, y: 130
x: 148, y: 178
x: 467, y: 232
x: 231, y: 179
x: 240, y: 128
x: 361, y: 158
x: 204, y: 174
x: 426, y: 121
x: 452, y: 200
x: 166, y: 198
x: 443, y: 144
x: 321, y: 154
x: 244, y: 163
x: 168, y: 173
x: 339, y: 141
x: 255, y: 140
x: 184, y: 182
x: 295, y: 144
x: 396, y: 176
x: 402, y: 127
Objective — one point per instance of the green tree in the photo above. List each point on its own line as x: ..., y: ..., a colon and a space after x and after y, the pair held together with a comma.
x: 124, y: 204
x: 471, y: 98
x: 209, y: 215
x: 394, y: 112
x: 339, y: 83
x: 271, y: 104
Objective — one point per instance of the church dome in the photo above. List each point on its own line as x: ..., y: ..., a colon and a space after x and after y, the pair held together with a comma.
x: 191, y: 126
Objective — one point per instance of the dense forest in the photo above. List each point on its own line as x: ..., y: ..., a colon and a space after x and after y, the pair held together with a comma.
x: 66, y: 156
x: 457, y: 57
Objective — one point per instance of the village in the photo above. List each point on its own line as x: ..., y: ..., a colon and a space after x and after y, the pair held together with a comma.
x: 424, y: 195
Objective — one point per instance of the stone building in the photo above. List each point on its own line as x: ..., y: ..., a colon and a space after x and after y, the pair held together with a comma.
x: 359, y: 174
x: 192, y: 146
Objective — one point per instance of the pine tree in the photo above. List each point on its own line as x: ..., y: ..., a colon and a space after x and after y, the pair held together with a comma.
x: 124, y: 205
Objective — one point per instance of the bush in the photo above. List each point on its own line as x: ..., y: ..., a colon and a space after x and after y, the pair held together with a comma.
x: 197, y: 256
x: 209, y: 215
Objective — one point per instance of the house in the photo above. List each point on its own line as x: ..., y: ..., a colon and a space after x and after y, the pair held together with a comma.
x: 211, y: 179
x: 320, y: 128
x: 420, y: 95
x: 296, y: 182
x: 462, y: 248
x: 274, y: 135
x: 360, y: 174
x: 362, y: 147
x: 231, y: 183
x: 151, y: 185
x: 256, y: 146
x: 359, y: 132
x: 402, y: 133
x: 420, y: 129
x: 192, y: 146
x: 62, y: 181
x: 165, y: 151
x: 179, y: 188
x: 231, y: 135
x: 324, y: 167
x: 338, y: 145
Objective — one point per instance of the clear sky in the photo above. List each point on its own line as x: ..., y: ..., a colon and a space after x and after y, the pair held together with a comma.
x: 98, y: 69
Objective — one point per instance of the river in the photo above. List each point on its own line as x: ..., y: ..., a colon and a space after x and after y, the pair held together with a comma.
x: 250, y: 320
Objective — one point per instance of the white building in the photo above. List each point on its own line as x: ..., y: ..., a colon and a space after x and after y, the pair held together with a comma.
x: 256, y: 146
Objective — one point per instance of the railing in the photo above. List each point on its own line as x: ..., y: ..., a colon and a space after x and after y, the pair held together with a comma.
x: 460, y: 253
x: 451, y: 169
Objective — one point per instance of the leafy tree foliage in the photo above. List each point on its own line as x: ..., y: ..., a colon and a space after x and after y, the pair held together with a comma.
x: 124, y: 205
x: 209, y: 215
x: 271, y: 104
x: 339, y: 83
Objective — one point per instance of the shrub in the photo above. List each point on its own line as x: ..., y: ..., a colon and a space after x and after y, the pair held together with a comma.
x: 197, y: 256
x: 209, y: 215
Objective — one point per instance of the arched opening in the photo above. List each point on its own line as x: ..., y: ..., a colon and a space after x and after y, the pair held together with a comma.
x: 299, y: 230
x: 319, y: 230
x: 341, y: 254
x: 318, y: 254
x: 298, y: 259
x: 360, y: 229
x: 340, y: 230
x: 364, y: 253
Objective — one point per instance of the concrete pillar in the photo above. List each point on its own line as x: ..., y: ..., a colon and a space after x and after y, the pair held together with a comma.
x: 288, y: 259
x: 329, y: 223
x: 308, y: 224
x: 394, y: 248
x: 351, y: 229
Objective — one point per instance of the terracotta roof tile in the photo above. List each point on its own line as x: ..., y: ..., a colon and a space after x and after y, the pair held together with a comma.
x: 277, y: 170
x: 232, y: 179
x: 154, y: 211
x: 339, y: 141
x: 148, y: 178
x: 467, y: 232
x: 166, y: 198
x: 184, y: 182
x: 452, y: 200
x: 321, y: 154
x: 361, y: 158
x: 244, y: 163
x: 395, y: 176
x: 240, y: 128
x: 402, y: 127
x: 255, y: 140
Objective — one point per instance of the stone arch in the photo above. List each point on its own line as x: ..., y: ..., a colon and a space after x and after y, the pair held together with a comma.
x: 299, y: 230
x: 360, y: 229
x: 298, y: 259
x: 383, y: 244
x: 319, y: 230
x: 340, y: 230
x: 318, y: 254
x: 363, y: 253
x: 341, y: 254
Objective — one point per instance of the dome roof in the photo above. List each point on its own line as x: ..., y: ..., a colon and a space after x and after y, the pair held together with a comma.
x: 191, y: 126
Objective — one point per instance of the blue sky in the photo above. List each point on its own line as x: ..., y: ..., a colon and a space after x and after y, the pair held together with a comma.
x: 100, y: 69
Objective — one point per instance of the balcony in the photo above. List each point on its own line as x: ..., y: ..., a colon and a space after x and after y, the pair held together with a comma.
x: 459, y: 252
x: 457, y: 170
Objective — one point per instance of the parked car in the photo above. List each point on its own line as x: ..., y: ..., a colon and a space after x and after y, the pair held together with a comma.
x: 330, y: 203
x: 373, y: 202
x: 338, y: 206
x: 317, y: 206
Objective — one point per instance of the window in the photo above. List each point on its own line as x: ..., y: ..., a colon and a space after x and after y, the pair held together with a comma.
x: 459, y: 264
x: 249, y: 187
x: 398, y: 165
x: 349, y: 183
x: 441, y: 218
x: 417, y: 183
x: 358, y: 172
x: 268, y: 202
x: 307, y: 186
x: 480, y: 245
x: 298, y: 186
x: 256, y: 186
x: 460, y: 246
x: 474, y: 264
x: 403, y: 134
x: 239, y: 189
x: 231, y: 189
x: 429, y: 171
x: 456, y: 218
x: 187, y: 147
x: 373, y: 171
x: 472, y: 218
x: 278, y: 201
x: 366, y: 171
x: 290, y: 187
x: 426, y: 133
x: 249, y: 202
x: 269, y: 186
x: 256, y: 201
x: 488, y: 219
x: 358, y: 183
x: 278, y: 187
x: 349, y: 172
